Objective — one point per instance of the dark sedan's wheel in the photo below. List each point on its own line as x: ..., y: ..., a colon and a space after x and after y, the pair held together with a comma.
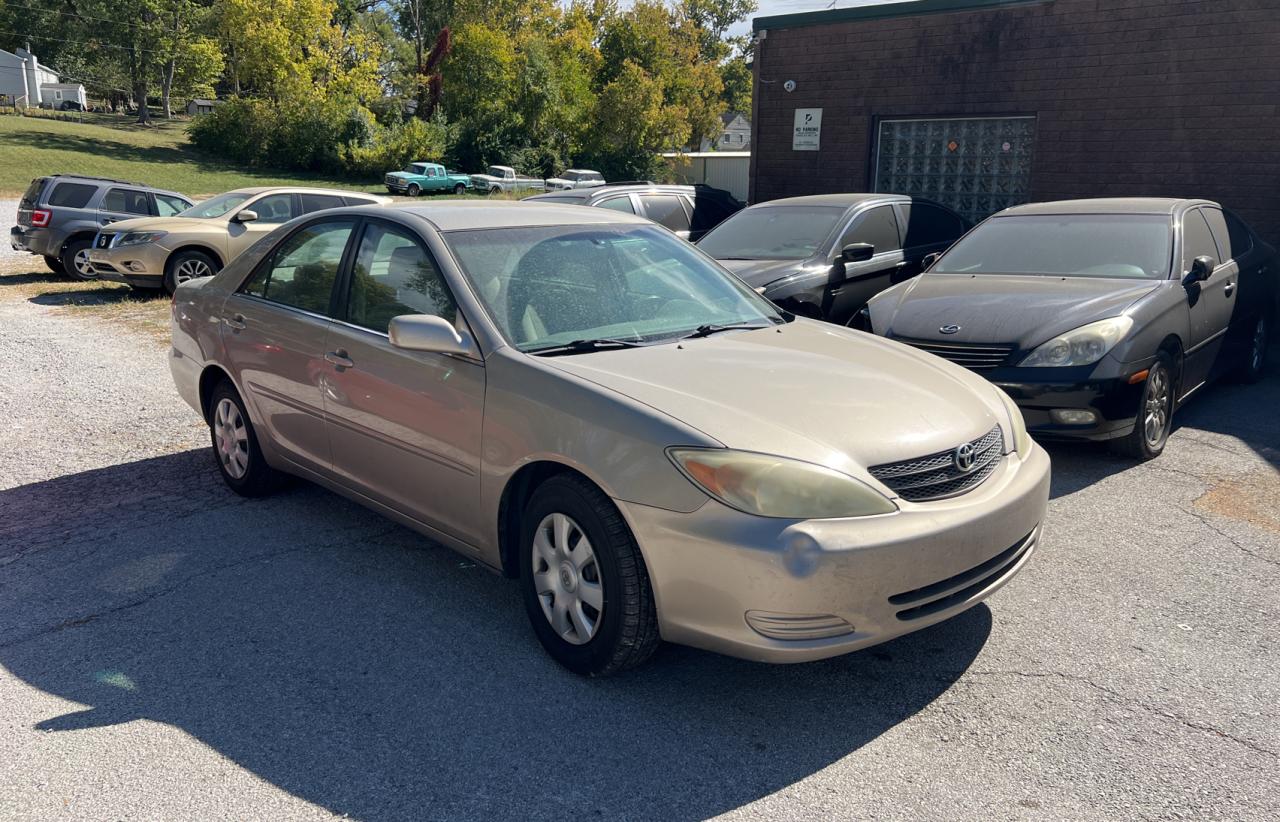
x: 55, y: 265
x: 235, y: 445
x: 1255, y: 361
x: 414, y: 190
x: 584, y: 582
x: 188, y: 265
x: 1155, y: 413
x: 75, y: 260
x: 460, y: 189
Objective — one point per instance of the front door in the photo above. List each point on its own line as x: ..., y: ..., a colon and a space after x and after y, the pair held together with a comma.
x: 668, y: 210
x: 274, y: 330
x: 404, y: 425
x: 1210, y: 303
x: 272, y: 210
x: 877, y: 227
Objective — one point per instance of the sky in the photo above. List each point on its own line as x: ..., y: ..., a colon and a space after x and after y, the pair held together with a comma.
x: 770, y: 7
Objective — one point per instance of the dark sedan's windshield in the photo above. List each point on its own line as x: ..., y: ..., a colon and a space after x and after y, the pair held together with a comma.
x: 772, y: 233
x: 550, y: 286
x: 1127, y: 246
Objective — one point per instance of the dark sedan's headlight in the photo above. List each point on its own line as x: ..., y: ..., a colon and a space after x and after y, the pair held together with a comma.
x: 1083, y: 346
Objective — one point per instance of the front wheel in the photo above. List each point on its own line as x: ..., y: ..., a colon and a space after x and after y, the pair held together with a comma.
x: 460, y: 189
x: 495, y: 190
x: 188, y: 265
x: 414, y: 190
x: 235, y: 445
x: 75, y: 260
x: 585, y: 585
x: 1155, y: 413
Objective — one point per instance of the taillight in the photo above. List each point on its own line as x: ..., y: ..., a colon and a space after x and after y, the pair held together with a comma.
x: 40, y: 217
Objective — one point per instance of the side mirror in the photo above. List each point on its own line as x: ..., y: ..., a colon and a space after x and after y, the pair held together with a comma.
x: 1201, y: 269
x: 857, y: 252
x: 246, y: 216
x: 428, y: 332
x: 929, y: 259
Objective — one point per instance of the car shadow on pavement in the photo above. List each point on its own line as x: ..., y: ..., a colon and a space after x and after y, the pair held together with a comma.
x: 100, y: 295
x: 358, y: 666
x: 33, y: 277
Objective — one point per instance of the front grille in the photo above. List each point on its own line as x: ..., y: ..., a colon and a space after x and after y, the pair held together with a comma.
x: 953, y: 590
x: 937, y: 476
x: 393, y: 181
x: 103, y: 240
x: 974, y: 356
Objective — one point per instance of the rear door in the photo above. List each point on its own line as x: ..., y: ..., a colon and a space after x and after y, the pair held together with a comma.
x: 275, y: 329
x: 925, y: 229
x: 120, y: 203
x: 1210, y: 303
x: 877, y: 227
x: 668, y: 210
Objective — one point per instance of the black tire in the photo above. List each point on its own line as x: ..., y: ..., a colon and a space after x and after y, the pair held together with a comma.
x: 460, y: 189
x: 55, y: 265
x: 1254, y: 362
x: 258, y: 479
x: 495, y: 190
x: 413, y: 190
x: 73, y: 249
x: 627, y: 623
x: 184, y: 261
x: 1144, y: 443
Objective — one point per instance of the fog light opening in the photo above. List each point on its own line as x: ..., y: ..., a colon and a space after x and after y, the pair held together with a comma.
x: 134, y: 265
x: 796, y: 627
x: 1073, y: 416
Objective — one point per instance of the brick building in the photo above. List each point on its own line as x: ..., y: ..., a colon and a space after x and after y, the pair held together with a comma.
x: 982, y: 104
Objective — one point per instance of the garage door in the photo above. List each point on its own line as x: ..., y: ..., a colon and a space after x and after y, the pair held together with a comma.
x: 977, y: 166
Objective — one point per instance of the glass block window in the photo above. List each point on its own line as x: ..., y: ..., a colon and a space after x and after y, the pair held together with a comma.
x: 976, y: 166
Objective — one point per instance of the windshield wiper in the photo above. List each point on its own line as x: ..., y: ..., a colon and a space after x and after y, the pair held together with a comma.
x: 584, y: 346
x: 713, y: 328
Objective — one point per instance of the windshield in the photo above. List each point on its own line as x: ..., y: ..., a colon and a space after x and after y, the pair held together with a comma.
x: 551, y: 285
x: 416, y: 169
x: 494, y: 171
x: 772, y: 233
x: 215, y: 206
x: 1128, y: 246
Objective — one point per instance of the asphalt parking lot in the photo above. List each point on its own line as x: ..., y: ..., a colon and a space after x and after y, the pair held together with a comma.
x: 171, y: 651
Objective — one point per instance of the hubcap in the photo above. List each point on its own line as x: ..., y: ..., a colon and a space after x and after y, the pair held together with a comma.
x: 83, y: 267
x: 1259, y: 353
x: 192, y: 270
x: 1156, y: 409
x: 567, y: 579
x: 231, y: 439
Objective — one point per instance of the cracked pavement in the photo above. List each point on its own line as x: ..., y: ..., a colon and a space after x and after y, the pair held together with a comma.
x: 171, y: 651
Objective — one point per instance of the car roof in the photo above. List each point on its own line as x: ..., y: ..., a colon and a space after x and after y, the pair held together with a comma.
x: 457, y: 215
x: 621, y: 188
x: 845, y: 200
x: 1106, y: 205
x: 304, y: 190
x: 111, y: 181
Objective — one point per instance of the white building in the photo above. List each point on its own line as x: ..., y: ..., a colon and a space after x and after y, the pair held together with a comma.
x: 23, y: 81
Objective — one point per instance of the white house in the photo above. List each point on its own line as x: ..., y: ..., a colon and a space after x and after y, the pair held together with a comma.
x: 735, y: 134
x: 23, y: 82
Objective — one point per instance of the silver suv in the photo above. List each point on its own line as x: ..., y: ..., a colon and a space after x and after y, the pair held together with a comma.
x: 59, y: 215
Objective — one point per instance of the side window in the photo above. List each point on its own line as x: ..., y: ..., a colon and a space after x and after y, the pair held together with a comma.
x: 167, y: 205
x: 71, y: 195
x: 1222, y: 237
x: 319, y: 202
x: 930, y: 225
x: 1240, y: 237
x: 878, y: 227
x: 622, y: 203
x: 707, y: 214
x: 303, y: 268
x: 274, y: 208
x: 394, y: 275
x: 667, y: 210
x: 1196, y: 239
x: 358, y: 201
x: 126, y: 201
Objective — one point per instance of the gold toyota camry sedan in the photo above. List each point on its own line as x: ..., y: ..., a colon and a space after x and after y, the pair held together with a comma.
x: 578, y: 399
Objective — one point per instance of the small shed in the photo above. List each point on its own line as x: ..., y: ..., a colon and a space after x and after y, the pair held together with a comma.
x: 62, y: 96
x: 728, y: 170
x: 201, y: 106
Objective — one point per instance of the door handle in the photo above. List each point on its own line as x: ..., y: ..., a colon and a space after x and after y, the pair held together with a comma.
x: 235, y: 322
x: 1230, y: 286
x: 339, y: 359
x: 902, y: 264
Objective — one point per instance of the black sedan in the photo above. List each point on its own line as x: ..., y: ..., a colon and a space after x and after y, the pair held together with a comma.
x: 1099, y: 317
x: 825, y: 255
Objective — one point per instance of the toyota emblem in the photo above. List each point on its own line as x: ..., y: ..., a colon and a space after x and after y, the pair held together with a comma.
x: 963, y: 458
x: 949, y: 329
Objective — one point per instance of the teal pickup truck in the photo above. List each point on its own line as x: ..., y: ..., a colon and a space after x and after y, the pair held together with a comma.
x: 421, y: 178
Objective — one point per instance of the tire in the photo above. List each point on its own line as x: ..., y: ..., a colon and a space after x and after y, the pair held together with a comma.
x: 189, y: 264
x: 1155, y: 413
x: 460, y: 189
x: 495, y: 190
x: 75, y: 260
x: 235, y: 446
x: 1254, y: 363
x: 624, y: 630
x: 413, y: 190
x: 55, y: 265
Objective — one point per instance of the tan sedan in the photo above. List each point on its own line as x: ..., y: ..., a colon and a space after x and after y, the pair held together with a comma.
x: 576, y: 398
x: 162, y: 252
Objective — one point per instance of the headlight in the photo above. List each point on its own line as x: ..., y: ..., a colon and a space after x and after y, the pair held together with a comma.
x: 138, y: 237
x: 770, y: 486
x: 1021, y: 439
x: 1083, y: 346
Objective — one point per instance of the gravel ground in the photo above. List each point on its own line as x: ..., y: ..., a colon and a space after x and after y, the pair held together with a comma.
x: 171, y: 651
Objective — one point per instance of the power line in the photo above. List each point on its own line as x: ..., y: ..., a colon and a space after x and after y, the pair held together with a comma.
x: 72, y: 14
x: 84, y: 42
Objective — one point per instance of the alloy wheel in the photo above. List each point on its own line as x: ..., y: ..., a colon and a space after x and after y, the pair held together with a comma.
x: 232, y: 438
x: 83, y: 267
x: 567, y: 580
x: 192, y: 269
x: 1259, y: 353
x: 1155, y: 410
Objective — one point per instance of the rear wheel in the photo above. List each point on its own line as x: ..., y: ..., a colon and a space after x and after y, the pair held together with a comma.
x: 1255, y: 359
x: 585, y: 585
x: 1155, y: 413
x: 235, y: 445
x: 55, y: 265
x: 75, y: 260
x: 188, y: 265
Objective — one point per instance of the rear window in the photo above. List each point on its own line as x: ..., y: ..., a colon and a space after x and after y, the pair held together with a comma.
x: 32, y: 194
x: 71, y: 195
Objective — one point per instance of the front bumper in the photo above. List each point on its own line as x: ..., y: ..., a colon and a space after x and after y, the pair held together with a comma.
x: 716, y: 572
x: 137, y: 265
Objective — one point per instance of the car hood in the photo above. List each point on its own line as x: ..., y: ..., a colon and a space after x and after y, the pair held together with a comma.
x: 185, y: 224
x: 1025, y: 310
x: 403, y: 175
x: 804, y: 390
x: 757, y: 273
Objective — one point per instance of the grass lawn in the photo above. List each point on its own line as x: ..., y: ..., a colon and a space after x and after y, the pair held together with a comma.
x: 108, y: 145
